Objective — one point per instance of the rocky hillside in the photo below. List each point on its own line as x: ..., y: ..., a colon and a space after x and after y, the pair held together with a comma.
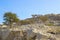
x: 38, y: 27
x: 31, y: 32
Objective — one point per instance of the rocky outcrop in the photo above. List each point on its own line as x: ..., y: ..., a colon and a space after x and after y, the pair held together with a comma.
x: 31, y: 32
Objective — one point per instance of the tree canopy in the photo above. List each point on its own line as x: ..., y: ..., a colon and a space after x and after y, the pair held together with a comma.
x: 10, y: 18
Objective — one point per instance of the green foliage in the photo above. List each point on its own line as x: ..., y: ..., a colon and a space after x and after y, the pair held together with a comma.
x: 50, y: 24
x: 10, y: 18
x: 23, y: 22
x: 43, y: 18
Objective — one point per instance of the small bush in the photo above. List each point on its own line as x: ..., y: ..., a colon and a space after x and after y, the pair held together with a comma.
x: 50, y: 24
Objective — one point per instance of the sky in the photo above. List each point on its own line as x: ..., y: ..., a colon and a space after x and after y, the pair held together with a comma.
x: 25, y: 8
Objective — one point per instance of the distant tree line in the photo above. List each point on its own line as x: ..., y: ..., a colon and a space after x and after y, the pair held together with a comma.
x: 11, y: 18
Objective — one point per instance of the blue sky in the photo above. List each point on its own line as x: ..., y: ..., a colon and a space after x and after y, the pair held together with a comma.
x: 25, y: 8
